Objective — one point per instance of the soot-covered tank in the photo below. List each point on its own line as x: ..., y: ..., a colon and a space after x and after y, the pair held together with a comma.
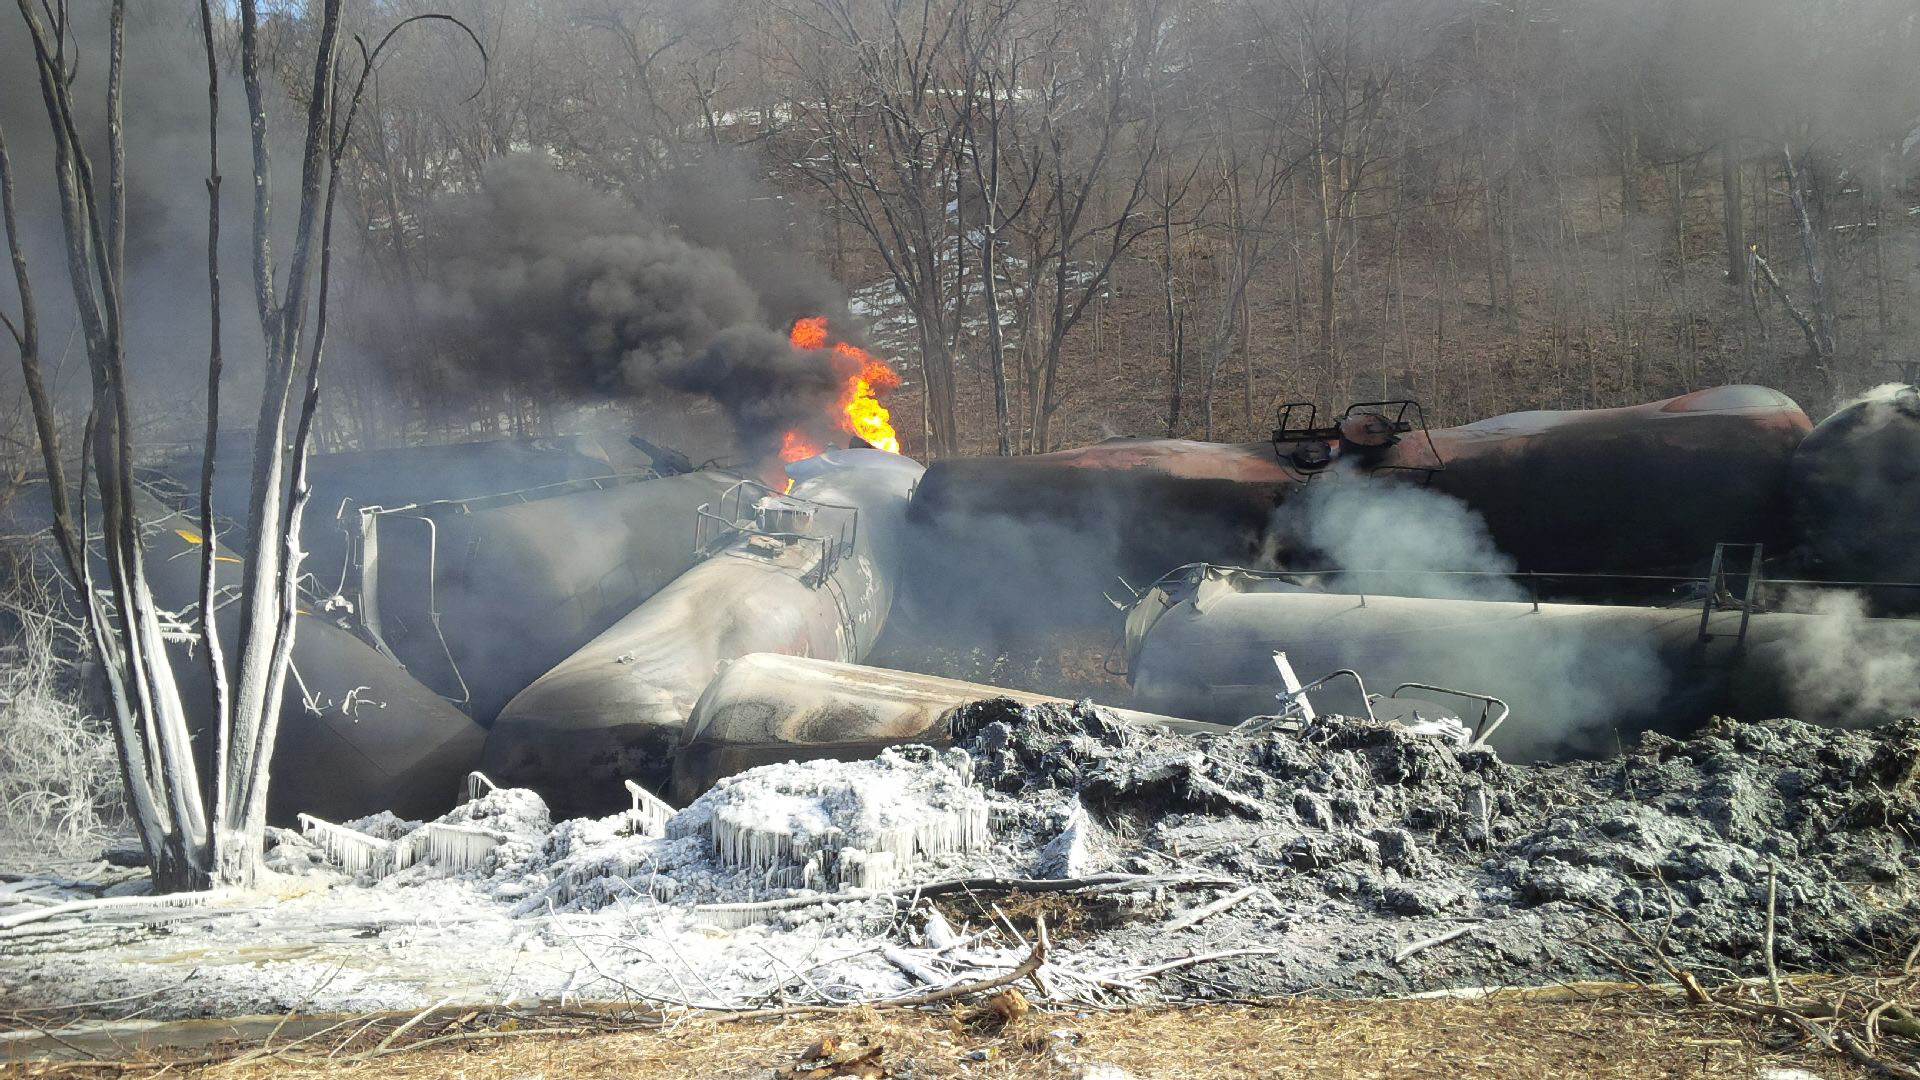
x: 809, y: 572
x: 357, y: 734
x: 1643, y: 489
x: 1856, y: 495
x: 404, y: 476
x: 1579, y: 677
x: 766, y: 708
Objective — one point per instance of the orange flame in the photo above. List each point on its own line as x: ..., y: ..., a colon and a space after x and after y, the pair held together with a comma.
x: 864, y: 376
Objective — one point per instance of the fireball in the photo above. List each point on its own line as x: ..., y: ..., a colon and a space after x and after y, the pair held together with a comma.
x: 858, y: 411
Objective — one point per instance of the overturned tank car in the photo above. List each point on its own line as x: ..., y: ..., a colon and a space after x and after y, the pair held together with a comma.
x: 766, y: 708
x: 357, y: 734
x: 1648, y: 488
x: 478, y: 597
x: 810, y: 572
x: 345, y: 481
x: 1579, y: 677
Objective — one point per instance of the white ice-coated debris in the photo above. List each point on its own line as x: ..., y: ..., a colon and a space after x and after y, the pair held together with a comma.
x: 460, y: 842
x: 353, y: 852
x: 828, y: 824
x: 1070, y: 854
x: 650, y: 813
x: 940, y: 935
x: 478, y: 784
x: 455, y: 848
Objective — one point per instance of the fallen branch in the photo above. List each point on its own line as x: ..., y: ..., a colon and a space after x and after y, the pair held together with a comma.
x: 1194, y: 918
x: 1190, y: 961
x: 1438, y: 939
x: 114, y: 904
x: 748, y: 911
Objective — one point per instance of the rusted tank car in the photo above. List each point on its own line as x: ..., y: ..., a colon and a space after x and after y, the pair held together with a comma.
x: 1648, y: 488
x: 765, y: 708
x: 807, y: 573
x: 1578, y: 676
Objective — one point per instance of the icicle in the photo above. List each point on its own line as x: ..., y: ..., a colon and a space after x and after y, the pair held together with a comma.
x: 869, y: 869
x: 458, y: 848
x: 649, y: 813
x: 354, y: 852
x: 827, y: 824
x: 478, y: 785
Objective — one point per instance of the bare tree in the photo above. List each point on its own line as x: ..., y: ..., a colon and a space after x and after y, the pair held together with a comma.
x: 881, y: 141
x: 195, y: 834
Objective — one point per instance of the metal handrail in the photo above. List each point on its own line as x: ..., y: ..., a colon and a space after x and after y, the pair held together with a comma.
x: 708, y: 542
x: 1487, y: 703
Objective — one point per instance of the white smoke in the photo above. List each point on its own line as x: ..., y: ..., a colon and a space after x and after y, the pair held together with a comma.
x: 1574, y: 683
x: 1389, y: 537
x: 1844, y: 668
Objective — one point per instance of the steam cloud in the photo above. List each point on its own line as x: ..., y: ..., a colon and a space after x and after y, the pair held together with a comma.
x: 1844, y: 668
x: 1571, y: 682
x: 1410, y: 541
x: 538, y: 280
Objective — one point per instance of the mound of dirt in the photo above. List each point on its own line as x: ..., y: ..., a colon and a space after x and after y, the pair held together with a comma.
x: 1364, y: 840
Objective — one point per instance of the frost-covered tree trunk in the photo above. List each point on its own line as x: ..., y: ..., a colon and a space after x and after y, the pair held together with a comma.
x: 196, y: 835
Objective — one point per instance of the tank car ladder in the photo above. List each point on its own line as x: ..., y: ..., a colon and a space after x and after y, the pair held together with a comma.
x: 1717, y: 587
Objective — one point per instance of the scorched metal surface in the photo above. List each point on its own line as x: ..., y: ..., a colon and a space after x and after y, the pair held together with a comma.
x: 767, y: 708
x: 480, y: 597
x: 357, y: 734
x: 613, y: 710
x: 1201, y: 645
x: 1856, y: 495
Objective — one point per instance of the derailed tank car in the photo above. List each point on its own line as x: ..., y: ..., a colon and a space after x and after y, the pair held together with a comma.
x: 1856, y: 495
x: 808, y: 573
x: 1648, y: 488
x: 479, y: 597
x: 409, y: 475
x: 357, y: 734
x: 1578, y: 676
x: 766, y: 708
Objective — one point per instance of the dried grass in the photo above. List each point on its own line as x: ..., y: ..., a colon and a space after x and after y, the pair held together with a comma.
x: 1624, y: 1036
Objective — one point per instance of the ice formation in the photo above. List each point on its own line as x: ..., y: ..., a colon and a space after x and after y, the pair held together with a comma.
x: 461, y: 841
x: 356, y: 853
x: 456, y: 848
x: 649, y: 812
x: 1069, y: 854
x: 829, y: 824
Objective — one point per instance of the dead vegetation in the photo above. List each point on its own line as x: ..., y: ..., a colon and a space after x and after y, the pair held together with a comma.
x: 59, y: 788
x: 1595, y: 1032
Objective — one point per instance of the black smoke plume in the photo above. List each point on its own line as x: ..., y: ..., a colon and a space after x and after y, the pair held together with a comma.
x: 540, y: 281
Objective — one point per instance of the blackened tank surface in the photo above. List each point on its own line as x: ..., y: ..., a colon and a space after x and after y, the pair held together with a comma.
x: 1637, y: 489
x: 403, y: 476
x: 480, y: 597
x: 813, y: 575
x: 1856, y: 494
x: 357, y: 734
x: 766, y: 708
x: 1642, y: 489
x: 1579, y: 677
